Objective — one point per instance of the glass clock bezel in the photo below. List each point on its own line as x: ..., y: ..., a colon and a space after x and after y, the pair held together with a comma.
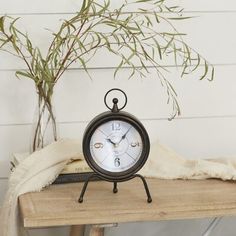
x: 102, y: 119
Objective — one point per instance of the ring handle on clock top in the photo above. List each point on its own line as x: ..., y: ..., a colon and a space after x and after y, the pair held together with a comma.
x: 115, y: 100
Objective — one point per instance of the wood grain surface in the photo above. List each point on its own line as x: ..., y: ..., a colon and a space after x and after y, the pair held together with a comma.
x: 172, y: 199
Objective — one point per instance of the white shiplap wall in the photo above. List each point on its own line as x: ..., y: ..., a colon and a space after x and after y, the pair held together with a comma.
x: 206, y: 127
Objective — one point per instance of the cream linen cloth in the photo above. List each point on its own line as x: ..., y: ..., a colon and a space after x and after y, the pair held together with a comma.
x: 35, y: 172
x: 165, y: 163
x: 41, y: 168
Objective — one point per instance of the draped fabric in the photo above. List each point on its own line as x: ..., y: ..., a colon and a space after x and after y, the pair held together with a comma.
x: 38, y: 170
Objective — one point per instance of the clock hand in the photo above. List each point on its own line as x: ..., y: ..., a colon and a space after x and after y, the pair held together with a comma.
x: 123, y: 137
x: 111, y: 141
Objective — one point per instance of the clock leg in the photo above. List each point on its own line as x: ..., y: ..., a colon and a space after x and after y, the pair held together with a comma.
x: 81, y: 198
x: 115, y: 189
x: 149, y: 198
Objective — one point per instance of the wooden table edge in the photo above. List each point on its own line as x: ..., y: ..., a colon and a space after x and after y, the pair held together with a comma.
x: 226, y: 206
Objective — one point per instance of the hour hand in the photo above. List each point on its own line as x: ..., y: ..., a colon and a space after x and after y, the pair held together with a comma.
x: 111, y: 141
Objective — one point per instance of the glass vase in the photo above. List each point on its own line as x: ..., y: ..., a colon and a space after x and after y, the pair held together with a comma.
x: 44, y: 124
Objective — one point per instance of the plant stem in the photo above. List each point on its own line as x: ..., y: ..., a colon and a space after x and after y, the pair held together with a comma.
x: 69, y: 51
x: 44, y: 108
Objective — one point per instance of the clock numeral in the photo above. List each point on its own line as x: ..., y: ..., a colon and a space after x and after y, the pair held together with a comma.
x: 117, y: 162
x: 135, y: 144
x: 115, y: 126
x: 98, y: 145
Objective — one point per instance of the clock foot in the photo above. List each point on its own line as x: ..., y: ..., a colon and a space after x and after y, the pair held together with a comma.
x: 149, y: 198
x: 115, y: 189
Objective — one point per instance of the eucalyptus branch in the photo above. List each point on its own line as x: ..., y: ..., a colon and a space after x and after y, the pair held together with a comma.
x: 134, y: 38
x: 18, y: 50
x: 69, y: 51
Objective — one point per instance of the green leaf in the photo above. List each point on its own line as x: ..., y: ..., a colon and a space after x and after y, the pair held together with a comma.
x: 180, y: 18
x: 156, y: 17
x: 198, y: 62
x: 160, y: 2
x: 212, y: 74
x: 188, y: 51
x: 173, y: 34
x: 158, y: 48
x: 205, y: 72
x: 83, y: 64
x: 118, y: 67
x: 137, y: 1
x: 184, y: 71
x: 2, y: 23
x: 5, y: 42
x: 168, y: 45
x: 29, y: 46
x: 83, y: 7
x: 24, y: 74
x: 149, y: 22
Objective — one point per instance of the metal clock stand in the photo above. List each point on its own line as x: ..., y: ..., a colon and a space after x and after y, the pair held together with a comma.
x: 116, y: 115
x: 115, y: 189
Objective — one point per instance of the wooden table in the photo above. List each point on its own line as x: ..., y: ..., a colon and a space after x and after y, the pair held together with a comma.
x: 172, y: 199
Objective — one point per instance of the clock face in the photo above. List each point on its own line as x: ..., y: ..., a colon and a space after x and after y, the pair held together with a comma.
x: 116, y: 146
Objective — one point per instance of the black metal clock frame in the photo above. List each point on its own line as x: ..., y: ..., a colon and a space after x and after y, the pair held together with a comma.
x: 115, y: 177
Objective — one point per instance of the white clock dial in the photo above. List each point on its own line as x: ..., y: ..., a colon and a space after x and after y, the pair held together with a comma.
x: 116, y: 146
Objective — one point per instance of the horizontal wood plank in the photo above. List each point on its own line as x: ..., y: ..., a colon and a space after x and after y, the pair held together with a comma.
x: 77, y: 98
x: 202, y: 34
x: 192, y: 138
x: 172, y: 199
x: 207, y: 5
x: 57, y: 6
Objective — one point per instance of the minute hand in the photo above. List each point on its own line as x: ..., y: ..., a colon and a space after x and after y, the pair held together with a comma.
x: 123, y: 137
